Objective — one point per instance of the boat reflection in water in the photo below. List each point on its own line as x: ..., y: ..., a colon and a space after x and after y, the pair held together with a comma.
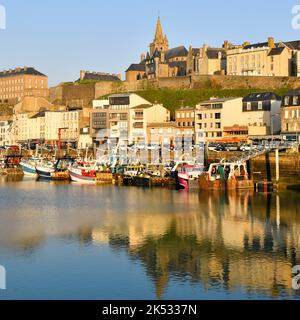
x: 216, y: 245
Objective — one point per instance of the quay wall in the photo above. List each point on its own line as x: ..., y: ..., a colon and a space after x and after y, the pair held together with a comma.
x: 263, y: 168
x: 83, y: 94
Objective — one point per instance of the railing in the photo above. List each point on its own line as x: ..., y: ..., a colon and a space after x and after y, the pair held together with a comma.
x: 261, y: 151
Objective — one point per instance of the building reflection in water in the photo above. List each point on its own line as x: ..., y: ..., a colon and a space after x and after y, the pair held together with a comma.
x: 233, y: 241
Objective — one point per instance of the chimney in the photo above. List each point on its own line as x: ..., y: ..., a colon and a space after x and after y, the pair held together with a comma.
x: 205, y: 48
x: 119, y: 76
x: 271, y: 42
x: 82, y: 74
x: 246, y: 43
x: 142, y: 57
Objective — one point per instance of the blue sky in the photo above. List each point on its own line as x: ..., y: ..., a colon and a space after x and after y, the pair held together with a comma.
x: 61, y: 37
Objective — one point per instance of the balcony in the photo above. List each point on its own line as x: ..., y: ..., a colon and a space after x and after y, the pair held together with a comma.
x: 138, y: 125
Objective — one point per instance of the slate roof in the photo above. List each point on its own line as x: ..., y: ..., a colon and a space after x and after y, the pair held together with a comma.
x: 38, y: 115
x: 176, y: 52
x: 276, y: 51
x: 21, y: 71
x: 137, y: 67
x: 261, y: 96
x: 100, y: 77
x: 294, y: 92
x: 213, y: 53
x: 257, y: 45
x: 295, y: 45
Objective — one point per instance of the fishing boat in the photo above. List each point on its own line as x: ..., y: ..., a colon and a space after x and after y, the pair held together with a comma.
x: 226, y: 175
x: 83, y: 174
x: 54, y: 171
x: 28, y: 167
x: 45, y: 170
x: 187, y: 173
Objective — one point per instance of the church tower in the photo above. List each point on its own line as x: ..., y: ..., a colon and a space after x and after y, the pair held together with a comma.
x: 160, y: 41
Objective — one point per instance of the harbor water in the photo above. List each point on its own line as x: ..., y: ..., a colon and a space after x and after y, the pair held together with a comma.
x: 71, y: 241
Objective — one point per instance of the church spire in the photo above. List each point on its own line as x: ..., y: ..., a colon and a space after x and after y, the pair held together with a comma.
x: 160, y: 41
x: 159, y: 33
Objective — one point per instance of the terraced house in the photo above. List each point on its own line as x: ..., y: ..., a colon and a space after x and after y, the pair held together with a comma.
x: 264, y: 59
x: 290, y: 114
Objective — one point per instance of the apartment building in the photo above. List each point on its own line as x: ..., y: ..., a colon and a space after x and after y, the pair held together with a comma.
x: 140, y: 116
x: 99, y: 119
x: 124, y: 115
x: 290, y: 113
x: 185, y: 118
x: 44, y: 126
x: 6, y: 136
x: 262, y: 112
x: 264, y: 59
x: 22, y: 82
x: 212, y: 116
x: 162, y: 133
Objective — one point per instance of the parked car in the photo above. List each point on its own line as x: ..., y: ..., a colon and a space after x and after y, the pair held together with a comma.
x: 231, y: 147
x: 220, y: 147
x: 246, y: 147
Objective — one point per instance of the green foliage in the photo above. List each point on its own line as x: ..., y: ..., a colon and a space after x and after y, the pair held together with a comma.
x: 174, y: 99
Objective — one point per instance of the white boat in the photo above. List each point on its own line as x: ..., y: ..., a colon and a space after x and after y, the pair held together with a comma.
x: 83, y: 173
x: 29, y: 166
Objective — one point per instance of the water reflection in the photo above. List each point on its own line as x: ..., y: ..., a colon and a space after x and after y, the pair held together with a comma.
x: 223, y: 241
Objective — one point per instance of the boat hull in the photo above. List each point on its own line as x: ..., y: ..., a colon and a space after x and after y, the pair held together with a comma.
x: 44, y: 173
x: 77, y: 176
x: 28, y: 169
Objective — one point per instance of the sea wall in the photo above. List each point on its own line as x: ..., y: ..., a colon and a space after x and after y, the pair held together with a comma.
x: 263, y: 168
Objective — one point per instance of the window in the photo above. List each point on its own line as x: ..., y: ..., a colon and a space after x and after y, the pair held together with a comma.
x: 286, y: 101
x: 295, y: 100
x: 217, y: 115
x: 260, y: 105
x: 200, y: 116
x: 249, y: 106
